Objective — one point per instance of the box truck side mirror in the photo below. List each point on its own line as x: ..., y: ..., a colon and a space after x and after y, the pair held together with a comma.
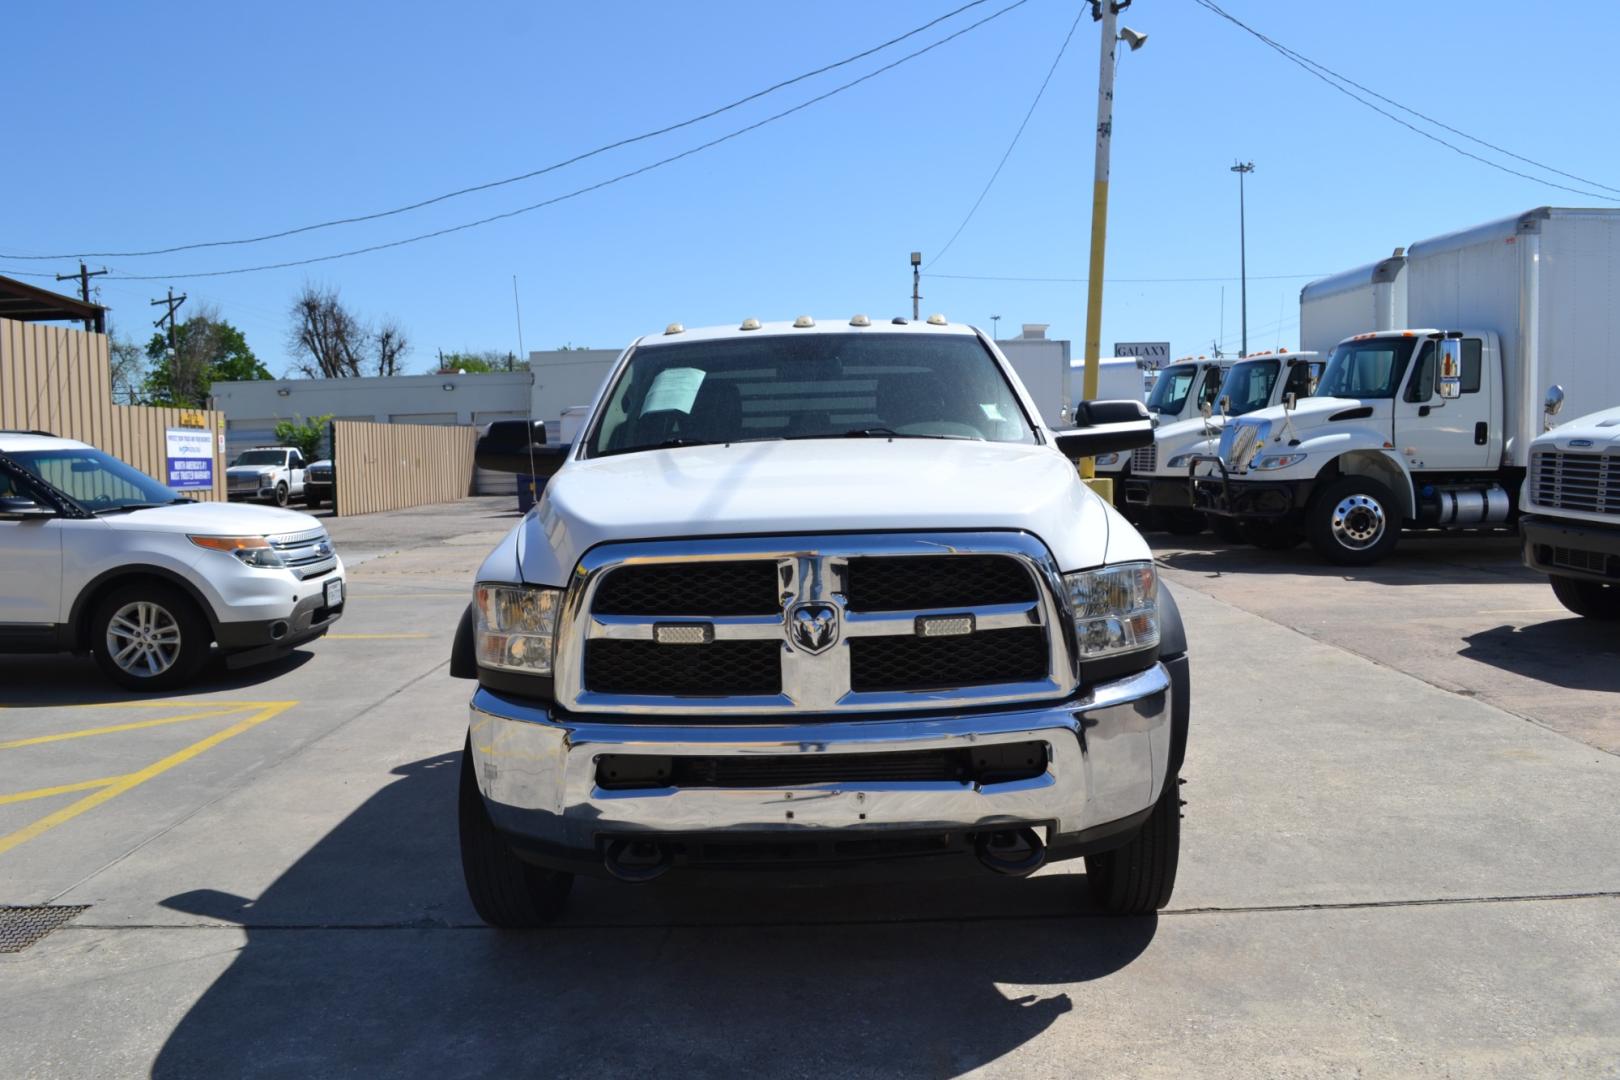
x: 1554, y: 402
x: 1450, y: 381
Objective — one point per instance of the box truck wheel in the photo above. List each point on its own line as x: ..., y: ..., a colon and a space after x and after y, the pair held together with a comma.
x: 1353, y: 521
x: 1593, y: 599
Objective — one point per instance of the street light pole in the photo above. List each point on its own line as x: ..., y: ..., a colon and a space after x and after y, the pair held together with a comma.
x: 916, y: 281
x: 1243, y: 169
x: 995, y: 328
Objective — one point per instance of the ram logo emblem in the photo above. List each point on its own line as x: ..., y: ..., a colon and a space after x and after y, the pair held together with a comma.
x: 813, y: 627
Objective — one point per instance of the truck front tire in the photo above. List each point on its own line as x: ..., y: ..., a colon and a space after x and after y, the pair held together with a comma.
x: 1137, y: 879
x: 1353, y: 521
x: 281, y: 495
x: 507, y: 892
x: 1592, y: 599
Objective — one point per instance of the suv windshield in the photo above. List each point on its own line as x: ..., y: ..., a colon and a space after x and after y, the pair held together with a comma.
x: 261, y: 457
x: 1247, y: 386
x: 94, y: 480
x: 1366, y: 369
x: 818, y: 386
x: 1170, y: 391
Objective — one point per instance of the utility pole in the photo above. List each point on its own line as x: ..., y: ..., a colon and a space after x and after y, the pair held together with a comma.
x: 172, y: 302
x: 84, y: 275
x: 1243, y: 169
x: 1107, y: 13
x: 916, y: 282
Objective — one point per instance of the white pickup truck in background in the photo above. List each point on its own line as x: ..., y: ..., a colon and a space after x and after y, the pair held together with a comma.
x: 266, y: 473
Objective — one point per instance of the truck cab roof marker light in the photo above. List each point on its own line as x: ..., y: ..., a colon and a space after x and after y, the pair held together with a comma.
x: 749, y: 324
x: 936, y: 319
x: 860, y: 320
x: 674, y: 328
x: 803, y: 322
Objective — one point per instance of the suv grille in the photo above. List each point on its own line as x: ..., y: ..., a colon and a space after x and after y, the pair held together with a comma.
x: 1570, y: 481
x: 705, y: 588
x: 878, y: 664
x: 1145, y: 459
x: 718, y: 669
x: 307, y: 554
x: 936, y: 581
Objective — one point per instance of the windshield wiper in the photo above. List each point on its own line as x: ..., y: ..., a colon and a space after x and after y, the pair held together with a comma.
x: 667, y: 444
x: 134, y: 506
x: 877, y: 433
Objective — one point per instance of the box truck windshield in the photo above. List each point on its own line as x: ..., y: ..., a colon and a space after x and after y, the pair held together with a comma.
x: 1169, y: 395
x: 1366, y: 369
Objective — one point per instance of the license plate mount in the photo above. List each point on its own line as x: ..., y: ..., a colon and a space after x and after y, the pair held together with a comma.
x: 334, y: 592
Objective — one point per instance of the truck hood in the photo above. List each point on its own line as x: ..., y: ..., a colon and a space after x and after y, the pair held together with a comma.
x: 214, y: 519
x: 1593, y: 433
x: 1308, y: 413
x: 814, y: 486
x: 250, y: 470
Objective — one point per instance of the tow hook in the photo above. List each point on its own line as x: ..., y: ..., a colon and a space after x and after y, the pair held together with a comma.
x: 1014, y: 852
x: 636, y: 860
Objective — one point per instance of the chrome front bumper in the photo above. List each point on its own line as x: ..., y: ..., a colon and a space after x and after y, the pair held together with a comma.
x: 1109, y: 753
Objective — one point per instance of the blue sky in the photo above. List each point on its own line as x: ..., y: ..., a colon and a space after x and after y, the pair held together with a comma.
x: 152, y: 125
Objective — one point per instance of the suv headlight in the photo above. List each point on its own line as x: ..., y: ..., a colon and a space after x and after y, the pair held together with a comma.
x: 1267, y: 462
x: 251, y: 550
x: 516, y: 627
x: 1116, y: 609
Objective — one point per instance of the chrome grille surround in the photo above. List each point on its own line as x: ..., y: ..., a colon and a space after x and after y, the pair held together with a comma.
x: 1145, y: 459
x: 811, y: 569
x: 1566, y: 480
x: 307, y: 554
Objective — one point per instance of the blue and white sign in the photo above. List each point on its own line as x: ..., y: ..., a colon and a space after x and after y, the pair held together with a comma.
x: 191, y: 458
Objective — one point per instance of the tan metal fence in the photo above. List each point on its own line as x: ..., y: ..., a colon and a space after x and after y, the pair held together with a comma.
x: 390, y: 466
x: 56, y: 379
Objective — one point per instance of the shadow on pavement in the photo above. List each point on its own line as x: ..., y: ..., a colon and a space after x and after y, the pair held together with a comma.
x: 1575, y: 653
x: 73, y: 680
x: 1420, y: 559
x: 350, y: 966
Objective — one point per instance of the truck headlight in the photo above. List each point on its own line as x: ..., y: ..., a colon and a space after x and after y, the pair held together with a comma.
x: 266, y: 477
x: 1106, y: 459
x: 1115, y: 609
x: 1267, y: 462
x: 516, y: 627
x: 1180, y: 461
x: 251, y: 550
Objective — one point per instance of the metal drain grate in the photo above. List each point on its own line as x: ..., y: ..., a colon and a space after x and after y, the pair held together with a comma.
x: 21, y: 927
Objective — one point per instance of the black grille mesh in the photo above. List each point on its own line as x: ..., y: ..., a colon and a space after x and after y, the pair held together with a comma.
x: 989, y: 764
x: 917, y: 582
x: 719, y: 588
x: 646, y: 667
x: 918, y: 663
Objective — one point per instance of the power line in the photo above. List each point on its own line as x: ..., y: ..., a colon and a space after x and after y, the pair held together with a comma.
x: 1126, y: 281
x: 589, y: 187
x: 532, y: 173
x: 1328, y: 76
x: 1016, y: 136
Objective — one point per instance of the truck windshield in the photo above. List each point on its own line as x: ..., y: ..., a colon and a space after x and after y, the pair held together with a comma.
x: 1366, y: 369
x: 1248, y: 386
x: 1169, y: 395
x: 261, y: 457
x: 817, y: 386
x: 95, y: 481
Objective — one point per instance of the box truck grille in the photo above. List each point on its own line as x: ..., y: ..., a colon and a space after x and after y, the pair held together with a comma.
x: 1589, y: 483
x: 1145, y: 459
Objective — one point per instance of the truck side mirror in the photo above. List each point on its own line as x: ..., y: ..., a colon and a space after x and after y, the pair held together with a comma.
x: 518, y: 446
x: 1106, y: 427
x: 1289, y: 401
x: 1555, y: 400
x: 1226, y: 405
x: 1450, y: 380
x: 1205, y: 411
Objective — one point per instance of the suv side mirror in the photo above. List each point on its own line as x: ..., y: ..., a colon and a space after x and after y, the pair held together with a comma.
x: 1450, y: 381
x: 1106, y: 427
x: 518, y: 446
x: 22, y: 508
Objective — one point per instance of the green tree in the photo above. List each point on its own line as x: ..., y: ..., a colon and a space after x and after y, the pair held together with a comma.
x: 479, y: 362
x: 307, y: 435
x: 207, y: 350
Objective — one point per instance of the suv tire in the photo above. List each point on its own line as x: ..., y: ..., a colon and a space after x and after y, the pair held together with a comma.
x: 1353, y: 521
x: 149, y: 636
x: 506, y: 891
x: 1593, y: 599
x: 281, y: 494
x: 1137, y: 879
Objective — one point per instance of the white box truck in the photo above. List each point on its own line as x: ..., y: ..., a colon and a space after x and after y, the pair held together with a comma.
x: 1371, y: 297
x: 1431, y: 426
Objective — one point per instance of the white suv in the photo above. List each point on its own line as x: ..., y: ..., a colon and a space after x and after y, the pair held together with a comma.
x: 98, y: 557
x: 274, y: 473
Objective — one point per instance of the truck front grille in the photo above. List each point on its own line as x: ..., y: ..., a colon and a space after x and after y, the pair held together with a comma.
x: 994, y: 764
x: 812, y: 625
x: 1563, y: 480
x: 1145, y: 459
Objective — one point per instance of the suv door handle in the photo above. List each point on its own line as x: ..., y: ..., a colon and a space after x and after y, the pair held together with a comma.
x: 1482, y: 433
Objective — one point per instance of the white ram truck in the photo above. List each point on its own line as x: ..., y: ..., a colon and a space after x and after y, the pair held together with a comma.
x: 818, y: 592
x: 1570, y: 508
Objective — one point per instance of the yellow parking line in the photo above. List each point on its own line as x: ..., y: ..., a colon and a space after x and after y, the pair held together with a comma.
x: 376, y: 637
x: 133, y: 725
x: 60, y: 789
x: 135, y: 779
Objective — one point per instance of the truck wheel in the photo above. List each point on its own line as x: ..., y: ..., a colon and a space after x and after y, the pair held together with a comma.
x: 1271, y: 535
x: 1593, y: 599
x: 1137, y: 879
x: 281, y: 495
x: 149, y: 637
x: 505, y: 891
x: 1226, y: 529
x: 1353, y: 521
